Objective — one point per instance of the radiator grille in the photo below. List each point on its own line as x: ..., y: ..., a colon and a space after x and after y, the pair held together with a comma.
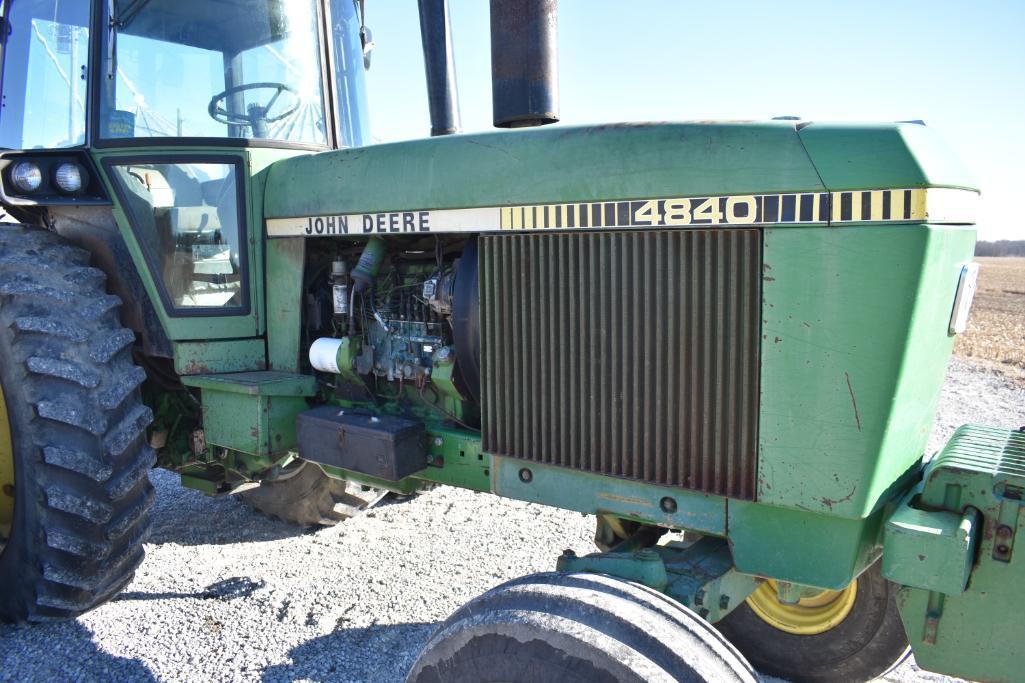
x: 632, y: 354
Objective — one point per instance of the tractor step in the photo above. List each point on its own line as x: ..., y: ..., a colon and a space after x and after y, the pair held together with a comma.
x: 252, y: 412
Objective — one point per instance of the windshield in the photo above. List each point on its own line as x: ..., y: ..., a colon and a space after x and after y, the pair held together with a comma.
x: 350, y: 76
x: 214, y: 68
x: 46, y: 58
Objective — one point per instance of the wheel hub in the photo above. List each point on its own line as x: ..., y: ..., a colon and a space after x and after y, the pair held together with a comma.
x: 813, y: 614
x: 6, y: 474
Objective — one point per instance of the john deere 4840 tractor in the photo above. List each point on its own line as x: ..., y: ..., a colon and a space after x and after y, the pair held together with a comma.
x: 737, y: 331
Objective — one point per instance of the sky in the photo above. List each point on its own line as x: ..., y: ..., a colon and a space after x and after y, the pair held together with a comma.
x: 958, y: 66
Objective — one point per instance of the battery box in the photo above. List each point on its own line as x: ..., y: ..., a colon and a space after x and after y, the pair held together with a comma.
x: 381, y: 446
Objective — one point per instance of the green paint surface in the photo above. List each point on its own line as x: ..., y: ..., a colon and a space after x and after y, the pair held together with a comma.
x: 798, y: 546
x: 456, y: 459
x: 285, y: 268
x: 545, y: 165
x: 931, y: 549
x: 595, y: 494
x: 255, y: 383
x: 854, y: 353
x: 232, y: 355
x: 862, y: 156
x: 252, y: 412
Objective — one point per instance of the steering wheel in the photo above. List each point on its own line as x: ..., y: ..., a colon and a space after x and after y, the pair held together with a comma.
x: 256, y: 115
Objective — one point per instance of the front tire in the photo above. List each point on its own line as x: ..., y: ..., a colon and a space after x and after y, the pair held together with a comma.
x: 77, y: 426
x: 576, y: 628
x: 851, y: 635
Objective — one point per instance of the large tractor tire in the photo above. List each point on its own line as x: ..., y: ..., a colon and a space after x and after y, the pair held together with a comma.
x: 73, y: 452
x: 306, y: 497
x: 851, y: 635
x: 576, y: 628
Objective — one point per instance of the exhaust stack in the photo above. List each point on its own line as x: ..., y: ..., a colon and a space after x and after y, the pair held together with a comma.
x: 442, y: 95
x: 524, y: 62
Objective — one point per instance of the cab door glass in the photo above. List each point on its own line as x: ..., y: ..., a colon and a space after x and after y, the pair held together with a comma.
x: 45, y: 62
x: 187, y: 221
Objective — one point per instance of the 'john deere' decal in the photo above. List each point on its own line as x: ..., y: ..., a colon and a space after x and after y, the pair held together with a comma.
x: 936, y: 205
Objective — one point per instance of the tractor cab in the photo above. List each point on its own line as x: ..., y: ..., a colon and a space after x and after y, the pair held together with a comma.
x: 165, y: 110
x: 138, y: 72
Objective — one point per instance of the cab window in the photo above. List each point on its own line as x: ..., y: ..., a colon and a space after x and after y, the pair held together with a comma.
x: 45, y: 67
x: 187, y: 221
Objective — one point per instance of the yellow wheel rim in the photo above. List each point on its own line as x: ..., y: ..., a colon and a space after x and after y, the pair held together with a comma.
x: 6, y: 473
x: 811, y: 615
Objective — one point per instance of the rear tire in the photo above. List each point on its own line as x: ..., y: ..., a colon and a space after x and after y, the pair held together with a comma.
x: 77, y: 423
x: 307, y: 497
x: 868, y: 642
x: 576, y: 628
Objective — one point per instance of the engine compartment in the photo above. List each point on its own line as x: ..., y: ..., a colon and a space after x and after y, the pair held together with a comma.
x: 406, y: 308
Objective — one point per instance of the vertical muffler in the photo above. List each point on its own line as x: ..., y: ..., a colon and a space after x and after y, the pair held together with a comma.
x: 524, y: 62
x: 439, y: 63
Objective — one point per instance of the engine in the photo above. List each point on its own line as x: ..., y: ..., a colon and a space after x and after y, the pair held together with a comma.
x: 394, y: 305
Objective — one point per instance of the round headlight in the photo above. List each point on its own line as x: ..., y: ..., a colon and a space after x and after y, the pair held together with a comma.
x: 68, y: 177
x: 26, y: 176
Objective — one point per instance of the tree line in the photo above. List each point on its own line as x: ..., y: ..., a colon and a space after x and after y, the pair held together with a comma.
x: 1000, y: 248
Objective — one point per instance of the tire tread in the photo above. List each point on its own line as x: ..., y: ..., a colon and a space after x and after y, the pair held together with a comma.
x: 82, y: 442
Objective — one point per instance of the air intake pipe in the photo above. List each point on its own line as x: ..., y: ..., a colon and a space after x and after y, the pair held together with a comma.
x: 524, y: 62
x: 442, y: 96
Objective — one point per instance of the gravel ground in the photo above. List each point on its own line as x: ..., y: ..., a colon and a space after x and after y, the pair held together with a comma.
x: 225, y: 594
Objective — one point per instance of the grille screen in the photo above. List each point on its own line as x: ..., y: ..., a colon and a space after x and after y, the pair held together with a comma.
x: 633, y: 354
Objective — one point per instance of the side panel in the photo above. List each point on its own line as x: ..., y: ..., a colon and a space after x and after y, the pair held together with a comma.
x: 596, y: 494
x: 793, y: 545
x: 285, y: 260
x: 229, y: 355
x: 854, y: 352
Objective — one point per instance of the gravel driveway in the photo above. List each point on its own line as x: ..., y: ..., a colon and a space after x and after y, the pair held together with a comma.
x: 225, y: 594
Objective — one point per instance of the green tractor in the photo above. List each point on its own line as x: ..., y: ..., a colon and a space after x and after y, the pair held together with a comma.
x: 724, y: 340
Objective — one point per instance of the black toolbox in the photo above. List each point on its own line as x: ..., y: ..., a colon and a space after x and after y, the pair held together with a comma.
x: 381, y: 446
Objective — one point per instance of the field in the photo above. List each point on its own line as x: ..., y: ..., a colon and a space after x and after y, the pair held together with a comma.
x: 996, y: 327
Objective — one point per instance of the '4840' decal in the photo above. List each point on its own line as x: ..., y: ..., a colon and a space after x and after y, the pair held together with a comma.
x: 735, y: 210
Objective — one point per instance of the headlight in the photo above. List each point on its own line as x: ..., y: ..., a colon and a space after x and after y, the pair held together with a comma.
x: 68, y: 177
x: 26, y: 176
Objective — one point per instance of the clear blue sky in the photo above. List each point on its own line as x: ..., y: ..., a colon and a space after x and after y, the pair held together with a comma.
x: 959, y: 66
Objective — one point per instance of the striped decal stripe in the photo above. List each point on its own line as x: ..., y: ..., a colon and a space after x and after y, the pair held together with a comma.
x: 805, y: 207
x: 884, y: 205
x: 878, y: 205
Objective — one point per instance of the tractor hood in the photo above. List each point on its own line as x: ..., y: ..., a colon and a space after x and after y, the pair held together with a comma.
x: 607, y: 163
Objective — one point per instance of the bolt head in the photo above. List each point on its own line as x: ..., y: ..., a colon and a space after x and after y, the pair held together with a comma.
x: 438, y: 441
x: 526, y: 476
x: 668, y: 505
